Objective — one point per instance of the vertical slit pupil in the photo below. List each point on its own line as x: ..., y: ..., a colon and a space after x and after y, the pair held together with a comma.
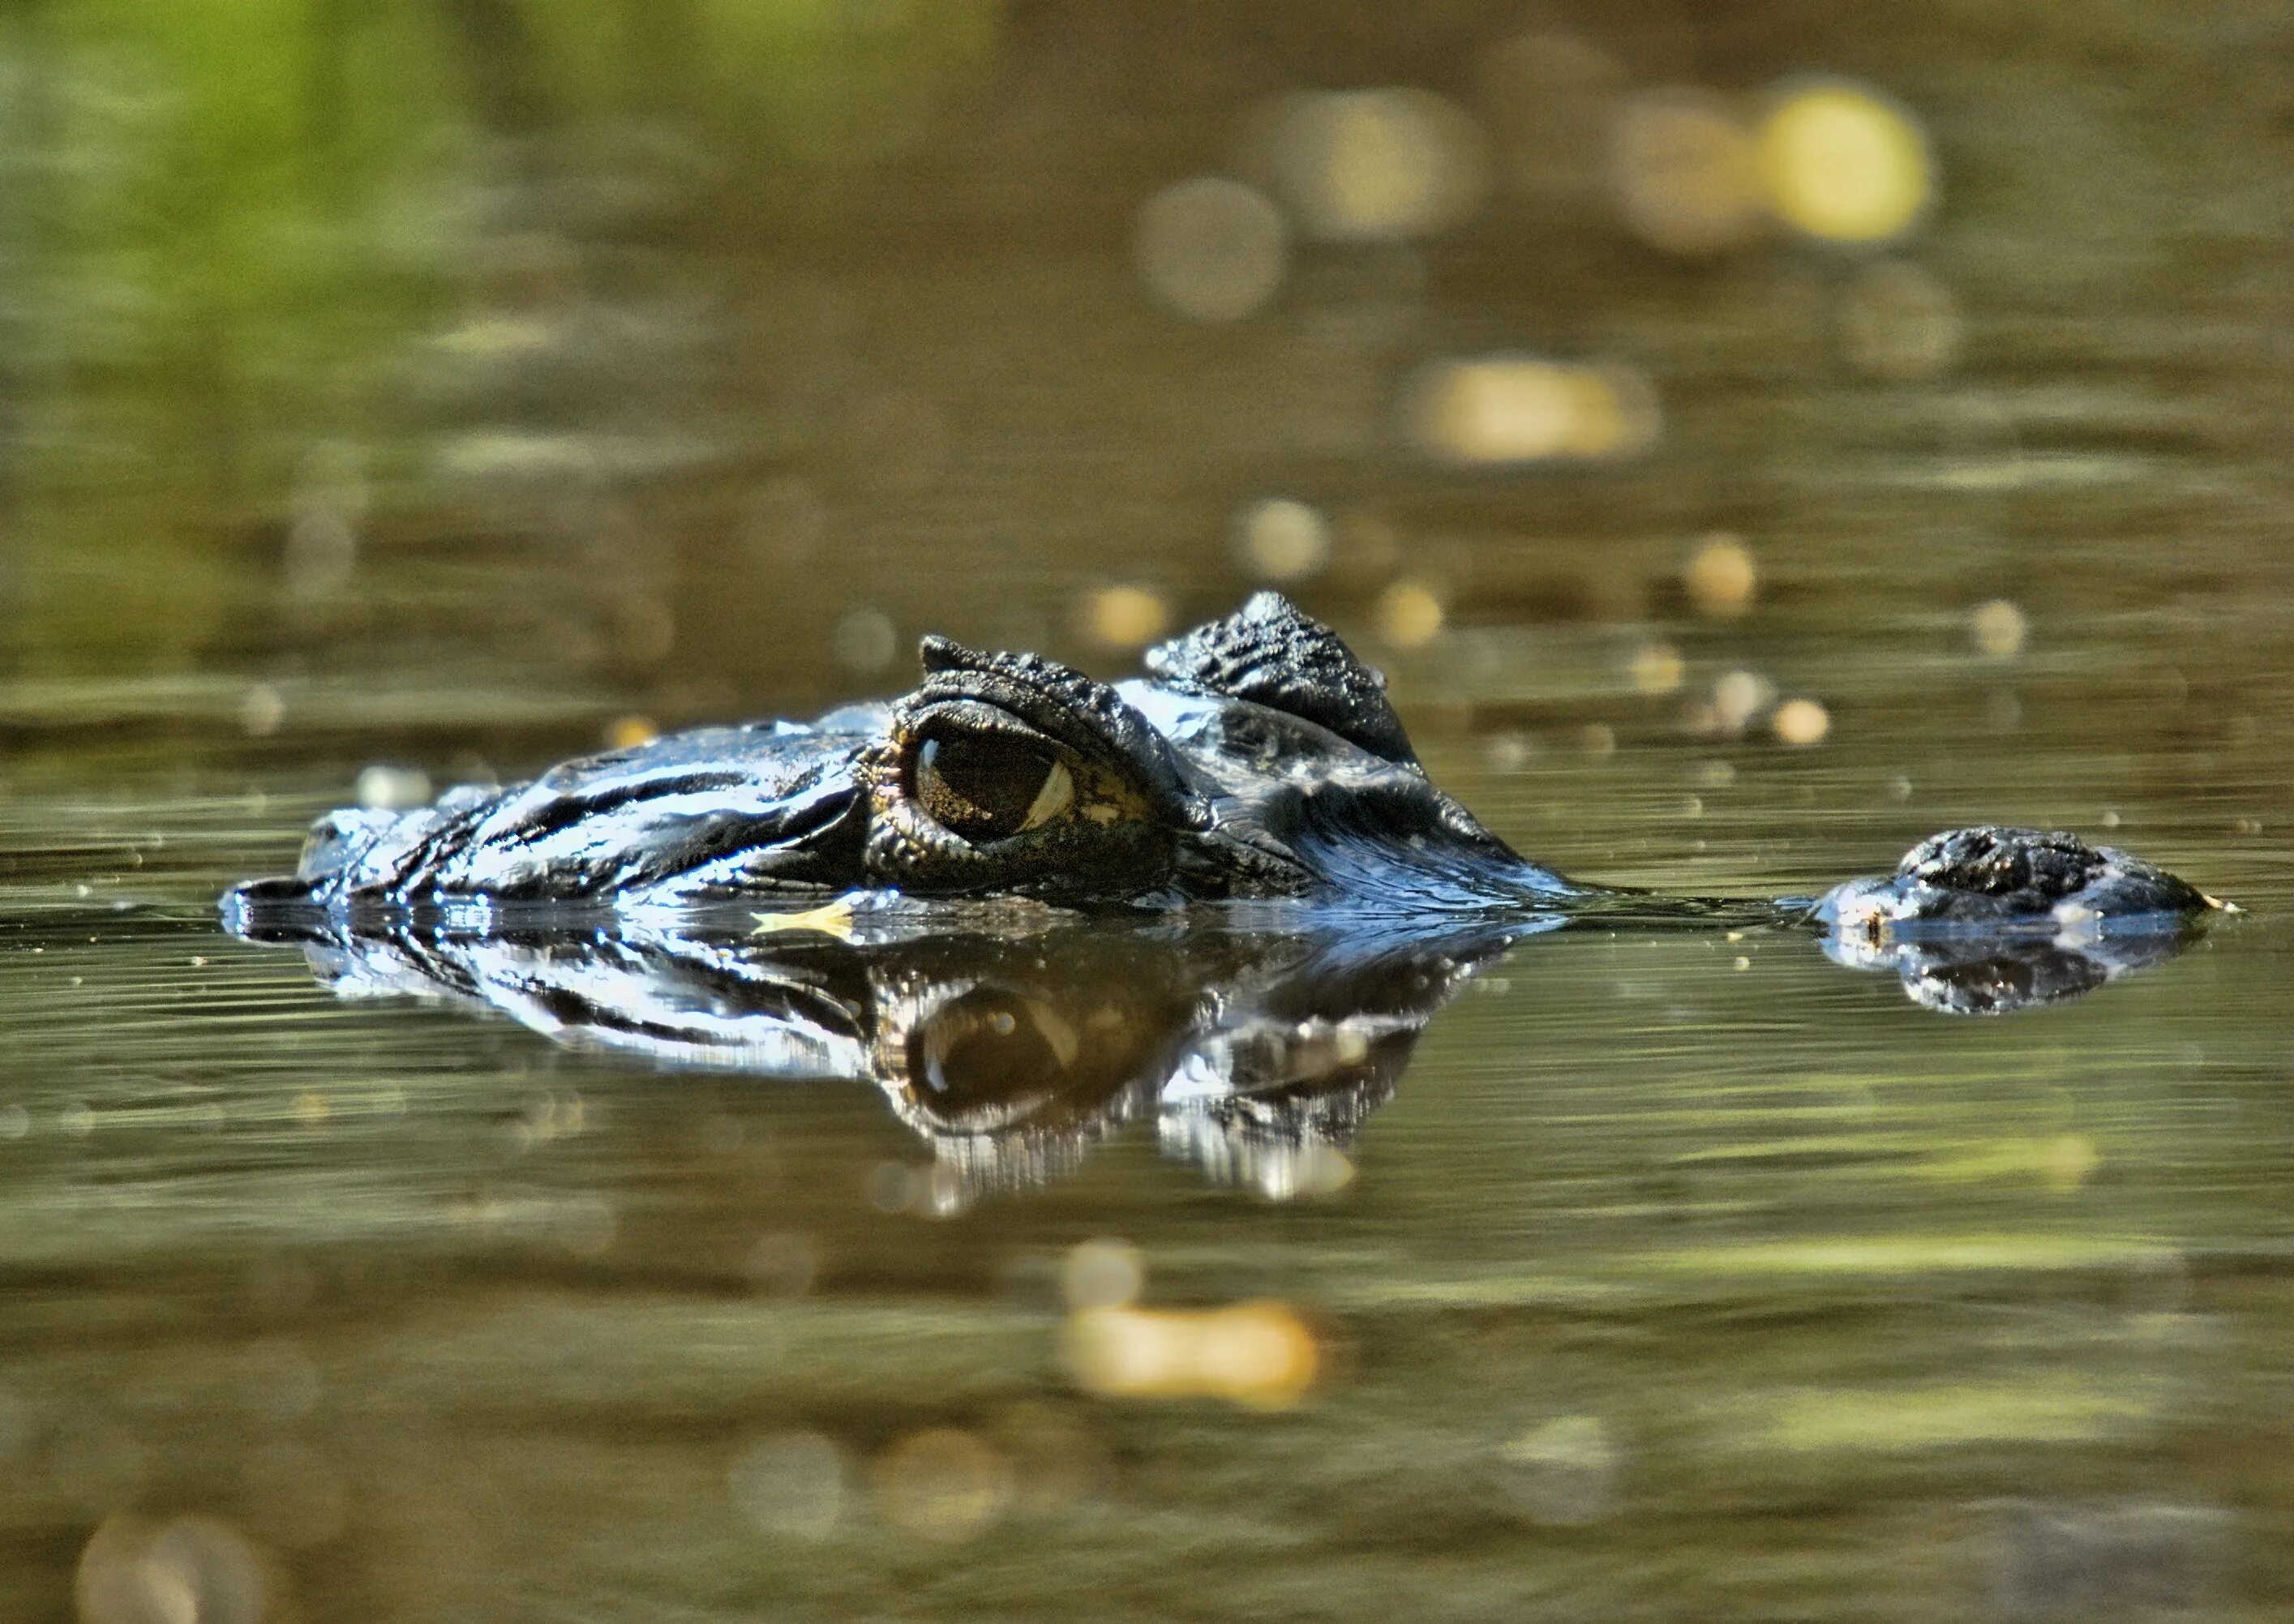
x: 980, y: 786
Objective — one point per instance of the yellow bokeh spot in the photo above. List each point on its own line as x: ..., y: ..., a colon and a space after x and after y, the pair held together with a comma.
x: 1519, y: 409
x: 1685, y: 171
x: 1284, y: 539
x: 629, y: 732
x: 1721, y: 577
x: 1801, y: 721
x: 1656, y: 668
x: 1409, y: 614
x: 1842, y: 164
x: 1999, y: 628
x: 1262, y: 1354
x: 1126, y: 617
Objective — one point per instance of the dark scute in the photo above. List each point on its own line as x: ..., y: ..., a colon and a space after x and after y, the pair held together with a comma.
x: 1271, y: 654
x: 1991, y: 860
x: 980, y: 785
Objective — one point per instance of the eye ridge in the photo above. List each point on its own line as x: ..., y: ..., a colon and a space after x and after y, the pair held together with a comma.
x: 987, y: 787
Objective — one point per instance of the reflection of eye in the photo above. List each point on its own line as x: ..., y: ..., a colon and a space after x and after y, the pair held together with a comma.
x: 988, y: 786
x: 986, y: 1047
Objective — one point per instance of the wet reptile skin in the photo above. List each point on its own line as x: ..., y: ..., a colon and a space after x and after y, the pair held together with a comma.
x: 1256, y: 762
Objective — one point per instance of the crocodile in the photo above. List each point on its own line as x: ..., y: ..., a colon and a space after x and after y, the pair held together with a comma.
x: 1257, y: 767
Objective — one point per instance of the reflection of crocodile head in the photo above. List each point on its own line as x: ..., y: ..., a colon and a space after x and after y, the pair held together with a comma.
x: 1011, y: 1054
x: 1988, y: 973
x: 1258, y: 764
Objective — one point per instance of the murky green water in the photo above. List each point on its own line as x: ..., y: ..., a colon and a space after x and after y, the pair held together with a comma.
x: 1679, y: 1276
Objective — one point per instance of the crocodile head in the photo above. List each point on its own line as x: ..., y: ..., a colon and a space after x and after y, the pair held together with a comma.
x: 1258, y: 760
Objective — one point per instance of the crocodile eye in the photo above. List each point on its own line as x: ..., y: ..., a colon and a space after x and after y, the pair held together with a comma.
x: 986, y: 1048
x: 990, y: 786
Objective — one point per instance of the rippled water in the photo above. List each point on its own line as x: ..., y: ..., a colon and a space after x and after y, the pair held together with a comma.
x: 1661, y: 1275
x: 1675, y: 1268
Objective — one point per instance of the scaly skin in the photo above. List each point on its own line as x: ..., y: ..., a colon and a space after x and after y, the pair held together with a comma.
x: 1258, y: 763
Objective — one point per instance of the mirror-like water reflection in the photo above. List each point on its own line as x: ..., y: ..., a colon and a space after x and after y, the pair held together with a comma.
x: 1257, y: 1051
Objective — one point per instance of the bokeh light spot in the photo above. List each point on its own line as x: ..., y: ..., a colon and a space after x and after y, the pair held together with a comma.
x: 1375, y: 165
x: 1261, y: 1354
x: 864, y: 641
x: 2068, y: 1161
x: 1656, y: 668
x: 1549, y: 98
x: 391, y: 789
x: 1843, y: 164
x: 1800, y: 721
x: 261, y: 710
x: 943, y: 1482
x: 1564, y: 1473
x: 194, y: 1570
x: 1210, y: 249
x: 1501, y: 410
x: 1126, y: 617
x: 1685, y: 170
x: 629, y: 732
x: 1999, y: 628
x: 1721, y: 577
x: 1283, y: 539
x: 1739, y: 698
x: 1102, y: 1274
x: 1409, y: 614
x: 1899, y: 323
x: 793, y: 1485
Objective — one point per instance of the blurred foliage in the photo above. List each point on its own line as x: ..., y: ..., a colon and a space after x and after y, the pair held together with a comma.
x: 226, y: 224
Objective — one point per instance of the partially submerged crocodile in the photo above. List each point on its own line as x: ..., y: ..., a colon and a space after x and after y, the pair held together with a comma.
x: 919, y: 895
x: 1258, y: 763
